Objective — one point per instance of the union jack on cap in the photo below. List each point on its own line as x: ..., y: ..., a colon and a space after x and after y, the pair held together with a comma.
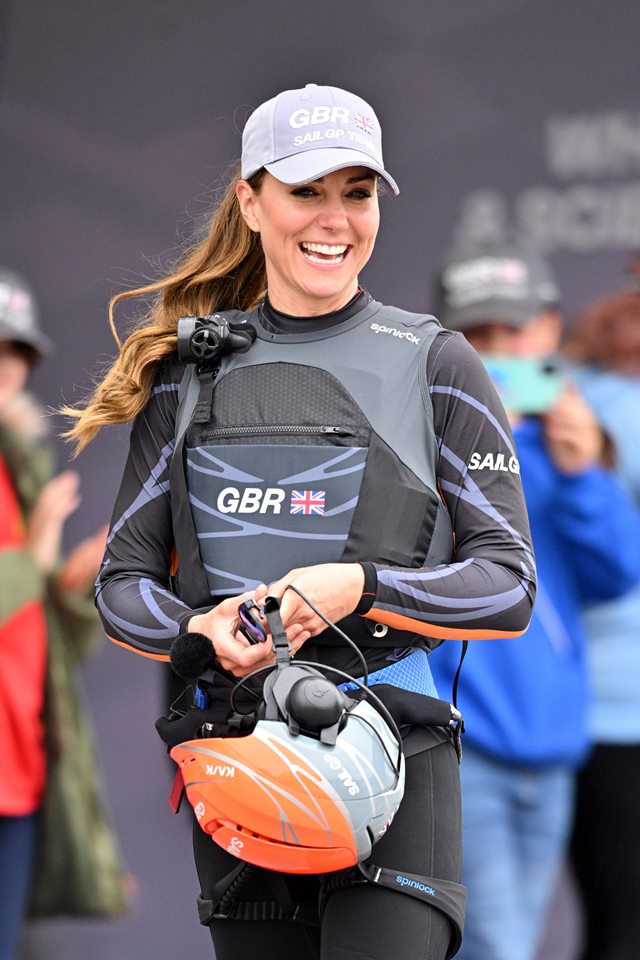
x: 365, y: 123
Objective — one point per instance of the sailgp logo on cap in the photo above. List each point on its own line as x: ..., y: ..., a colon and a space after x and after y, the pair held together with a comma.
x: 394, y: 332
x: 339, y: 125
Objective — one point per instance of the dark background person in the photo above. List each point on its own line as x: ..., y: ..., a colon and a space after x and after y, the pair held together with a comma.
x: 57, y: 855
x: 525, y: 701
x: 604, y: 341
x: 300, y: 221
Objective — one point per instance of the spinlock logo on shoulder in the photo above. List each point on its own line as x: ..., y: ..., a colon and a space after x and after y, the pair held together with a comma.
x: 270, y: 500
x: 494, y: 461
x: 406, y: 882
x: 394, y: 332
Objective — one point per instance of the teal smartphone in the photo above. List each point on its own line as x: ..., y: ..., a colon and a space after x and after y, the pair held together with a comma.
x: 525, y: 384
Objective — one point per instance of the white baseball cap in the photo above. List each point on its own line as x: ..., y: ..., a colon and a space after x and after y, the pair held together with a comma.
x: 301, y: 135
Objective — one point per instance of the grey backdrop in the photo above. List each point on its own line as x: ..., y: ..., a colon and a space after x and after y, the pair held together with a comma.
x: 116, y: 121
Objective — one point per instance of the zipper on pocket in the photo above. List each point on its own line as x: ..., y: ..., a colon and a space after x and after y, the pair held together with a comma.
x: 281, y: 430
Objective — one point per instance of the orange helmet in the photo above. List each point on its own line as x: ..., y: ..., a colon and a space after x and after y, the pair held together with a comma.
x: 292, y: 801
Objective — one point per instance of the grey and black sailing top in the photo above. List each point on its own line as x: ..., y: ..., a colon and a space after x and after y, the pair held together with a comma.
x: 369, y: 435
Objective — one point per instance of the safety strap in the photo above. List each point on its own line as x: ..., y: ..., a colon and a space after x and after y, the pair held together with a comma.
x: 202, y: 412
x: 220, y: 906
x: 196, y: 588
x: 224, y: 904
x: 188, y: 393
x: 446, y: 896
x: 177, y: 791
x: 456, y: 679
x: 278, y: 634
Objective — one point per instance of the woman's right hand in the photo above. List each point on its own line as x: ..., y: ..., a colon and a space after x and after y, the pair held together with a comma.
x: 57, y: 500
x: 232, y: 650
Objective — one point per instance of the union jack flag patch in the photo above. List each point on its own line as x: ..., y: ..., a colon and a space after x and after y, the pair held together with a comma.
x: 307, y: 501
x: 364, y: 123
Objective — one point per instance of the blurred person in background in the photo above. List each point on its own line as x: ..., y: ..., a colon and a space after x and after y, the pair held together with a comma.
x: 57, y: 854
x: 605, y: 341
x: 525, y: 701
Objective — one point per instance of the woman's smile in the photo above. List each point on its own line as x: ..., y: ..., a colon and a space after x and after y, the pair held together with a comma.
x: 324, y: 253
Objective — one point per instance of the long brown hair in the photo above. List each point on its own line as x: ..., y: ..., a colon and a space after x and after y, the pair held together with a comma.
x: 224, y: 271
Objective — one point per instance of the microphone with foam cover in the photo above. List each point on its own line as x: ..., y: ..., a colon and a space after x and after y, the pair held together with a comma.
x: 191, y: 654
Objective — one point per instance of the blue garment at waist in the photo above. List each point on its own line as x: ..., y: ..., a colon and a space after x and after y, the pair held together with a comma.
x: 411, y: 673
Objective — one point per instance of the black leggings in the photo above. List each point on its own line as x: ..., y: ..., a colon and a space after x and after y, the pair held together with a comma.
x: 605, y: 851
x: 363, y: 921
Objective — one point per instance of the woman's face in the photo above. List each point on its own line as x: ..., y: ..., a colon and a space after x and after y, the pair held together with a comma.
x: 316, y: 237
x: 14, y: 370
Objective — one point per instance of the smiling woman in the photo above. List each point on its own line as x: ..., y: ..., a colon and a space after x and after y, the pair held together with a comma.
x: 295, y: 432
x: 315, y: 238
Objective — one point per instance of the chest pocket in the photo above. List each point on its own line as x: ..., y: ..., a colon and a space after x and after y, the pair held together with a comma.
x: 288, y: 472
x: 273, y: 480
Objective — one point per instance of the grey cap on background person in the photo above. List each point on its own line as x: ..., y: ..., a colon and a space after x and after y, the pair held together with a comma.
x: 19, y: 314
x: 508, y: 284
x: 302, y: 135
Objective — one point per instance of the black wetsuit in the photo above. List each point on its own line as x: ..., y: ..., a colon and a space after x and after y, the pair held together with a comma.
x: 487, y: 589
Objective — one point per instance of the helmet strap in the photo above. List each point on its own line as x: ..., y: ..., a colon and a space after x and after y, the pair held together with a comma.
x: 278, y: 634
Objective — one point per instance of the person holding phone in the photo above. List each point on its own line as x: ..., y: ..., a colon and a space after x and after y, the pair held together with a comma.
x: 328, y: 451
x: 525, y: 703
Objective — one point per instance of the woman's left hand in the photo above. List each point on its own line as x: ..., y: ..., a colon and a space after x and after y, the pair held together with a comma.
x: 335, y: 588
